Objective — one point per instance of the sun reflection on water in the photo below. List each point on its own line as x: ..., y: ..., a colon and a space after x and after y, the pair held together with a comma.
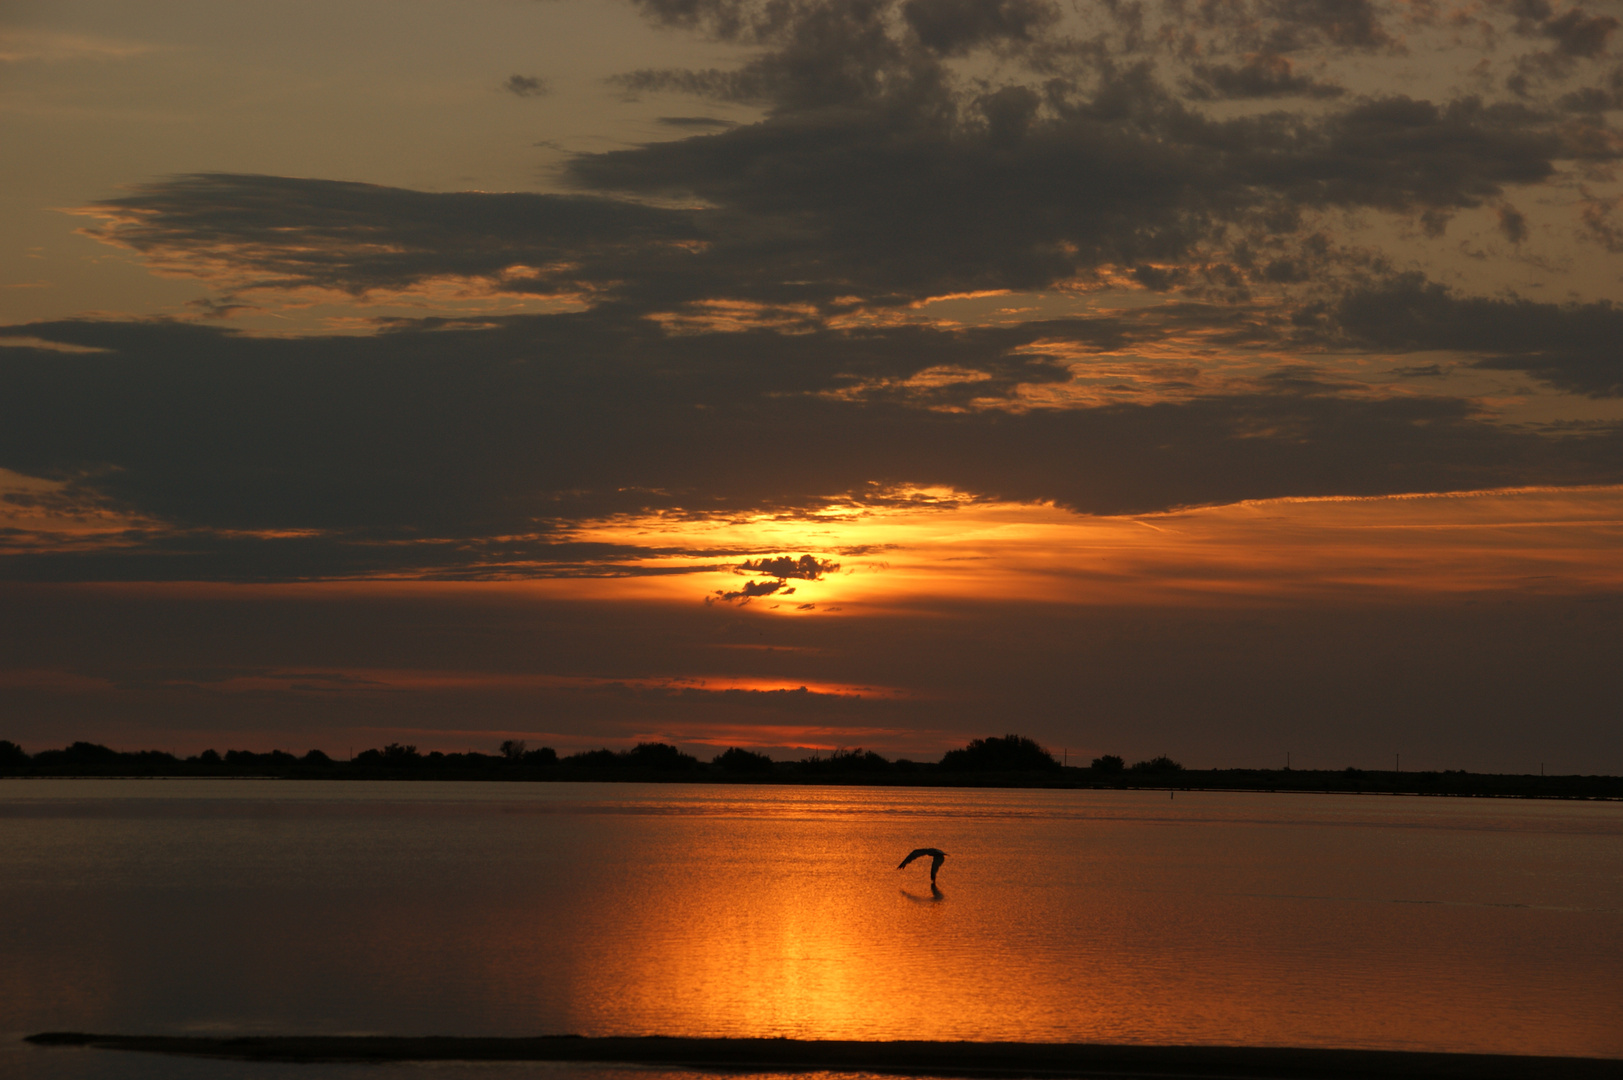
x: 1466, y: 925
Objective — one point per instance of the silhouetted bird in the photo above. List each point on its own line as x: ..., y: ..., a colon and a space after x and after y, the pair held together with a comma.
x: 937, y: 857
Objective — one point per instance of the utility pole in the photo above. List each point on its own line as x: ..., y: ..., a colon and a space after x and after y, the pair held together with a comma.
x: 1397, y: 762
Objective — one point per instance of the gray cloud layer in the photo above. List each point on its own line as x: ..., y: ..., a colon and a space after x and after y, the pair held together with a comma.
x: 880, y: 175
x: 882, y: 172
x: 413, y: 448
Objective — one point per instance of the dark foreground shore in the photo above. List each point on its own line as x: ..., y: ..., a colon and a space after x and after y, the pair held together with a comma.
x: 900, y: 1058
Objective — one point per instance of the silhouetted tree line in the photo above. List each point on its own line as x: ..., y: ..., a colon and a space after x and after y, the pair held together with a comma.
x: 1000, y: 761
x: 1111, y: 763
x: 657, y: 756
x: 1012, y: 753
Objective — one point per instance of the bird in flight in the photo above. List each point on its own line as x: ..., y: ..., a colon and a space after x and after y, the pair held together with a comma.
x: 937, y: 857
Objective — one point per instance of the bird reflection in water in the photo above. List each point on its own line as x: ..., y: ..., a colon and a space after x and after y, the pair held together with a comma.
x: 935, y: 896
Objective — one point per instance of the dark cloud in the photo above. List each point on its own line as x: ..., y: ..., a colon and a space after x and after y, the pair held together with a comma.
x: 1262, y: 75
x: 526, y: 86
x: 1061, y: 187
x: 1578, y: 37
x: 1599, y: 223
x: 821, y: 54
x: 703, y: 373
x: 870, y: 143
x: 955, y: 26
x: 1577, y: 33
x: 285, y: 233
x: 695, y: 122
x: 805, y: 568
x: 1577, y: 347
x: 782, y: 570
x: 1202, y: 27
x: 164, y: 554
x: 452, y: 451
x: 750, y: 591
x: 1080, y: 160
x: 815, y: 210
x: 1593, y: 100
x: 1353, y: 24
x: 1512, y: 223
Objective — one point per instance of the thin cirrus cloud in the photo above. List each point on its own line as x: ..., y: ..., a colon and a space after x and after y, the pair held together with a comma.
x: 24, y: 46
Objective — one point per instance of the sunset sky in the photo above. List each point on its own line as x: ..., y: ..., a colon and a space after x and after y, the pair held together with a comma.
x: 1217, y: 378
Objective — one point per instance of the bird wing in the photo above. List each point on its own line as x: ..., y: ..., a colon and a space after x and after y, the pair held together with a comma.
x: 914, y: 854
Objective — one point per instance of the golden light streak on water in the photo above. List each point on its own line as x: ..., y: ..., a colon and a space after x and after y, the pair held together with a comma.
x: 1226, y: 918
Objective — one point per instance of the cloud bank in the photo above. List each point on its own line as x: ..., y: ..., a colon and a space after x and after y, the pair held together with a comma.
x: 745, y: 311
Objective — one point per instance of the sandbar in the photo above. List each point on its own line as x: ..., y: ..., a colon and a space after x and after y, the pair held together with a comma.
x: 947, y: 1059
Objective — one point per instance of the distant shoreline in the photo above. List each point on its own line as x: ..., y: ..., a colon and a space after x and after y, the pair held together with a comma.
x: 1011, y: 761
x: 1306, y: 781
x: 966, y: 1059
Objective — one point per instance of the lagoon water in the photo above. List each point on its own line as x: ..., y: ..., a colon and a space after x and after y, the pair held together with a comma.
x: 205, y: 906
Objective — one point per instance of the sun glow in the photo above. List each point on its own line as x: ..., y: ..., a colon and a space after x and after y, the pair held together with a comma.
x: 936, y: 544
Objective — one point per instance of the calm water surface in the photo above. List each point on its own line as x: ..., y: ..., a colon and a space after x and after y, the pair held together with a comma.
x: 1309, y: 920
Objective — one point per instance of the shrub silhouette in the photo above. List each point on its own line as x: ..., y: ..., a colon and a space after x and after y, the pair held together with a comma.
x: 858, y: 760
x: 742, y: 761
x: 541, y: 755
x: 593, y: 759
x: 11, y: 755
x: 1109, y: 763
x: 661, y: 756
x: 513, y: 750
x: 844, y: 761
x: 248, y: 757
x: 396, y: 755
x: 317, y: 758
x: 1157, y: 764
x: 656, y: 755
x: 80, y: 753
x: 1012, y: 753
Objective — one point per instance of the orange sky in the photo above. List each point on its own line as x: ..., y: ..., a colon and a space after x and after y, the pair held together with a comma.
x: 1145, y: 379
